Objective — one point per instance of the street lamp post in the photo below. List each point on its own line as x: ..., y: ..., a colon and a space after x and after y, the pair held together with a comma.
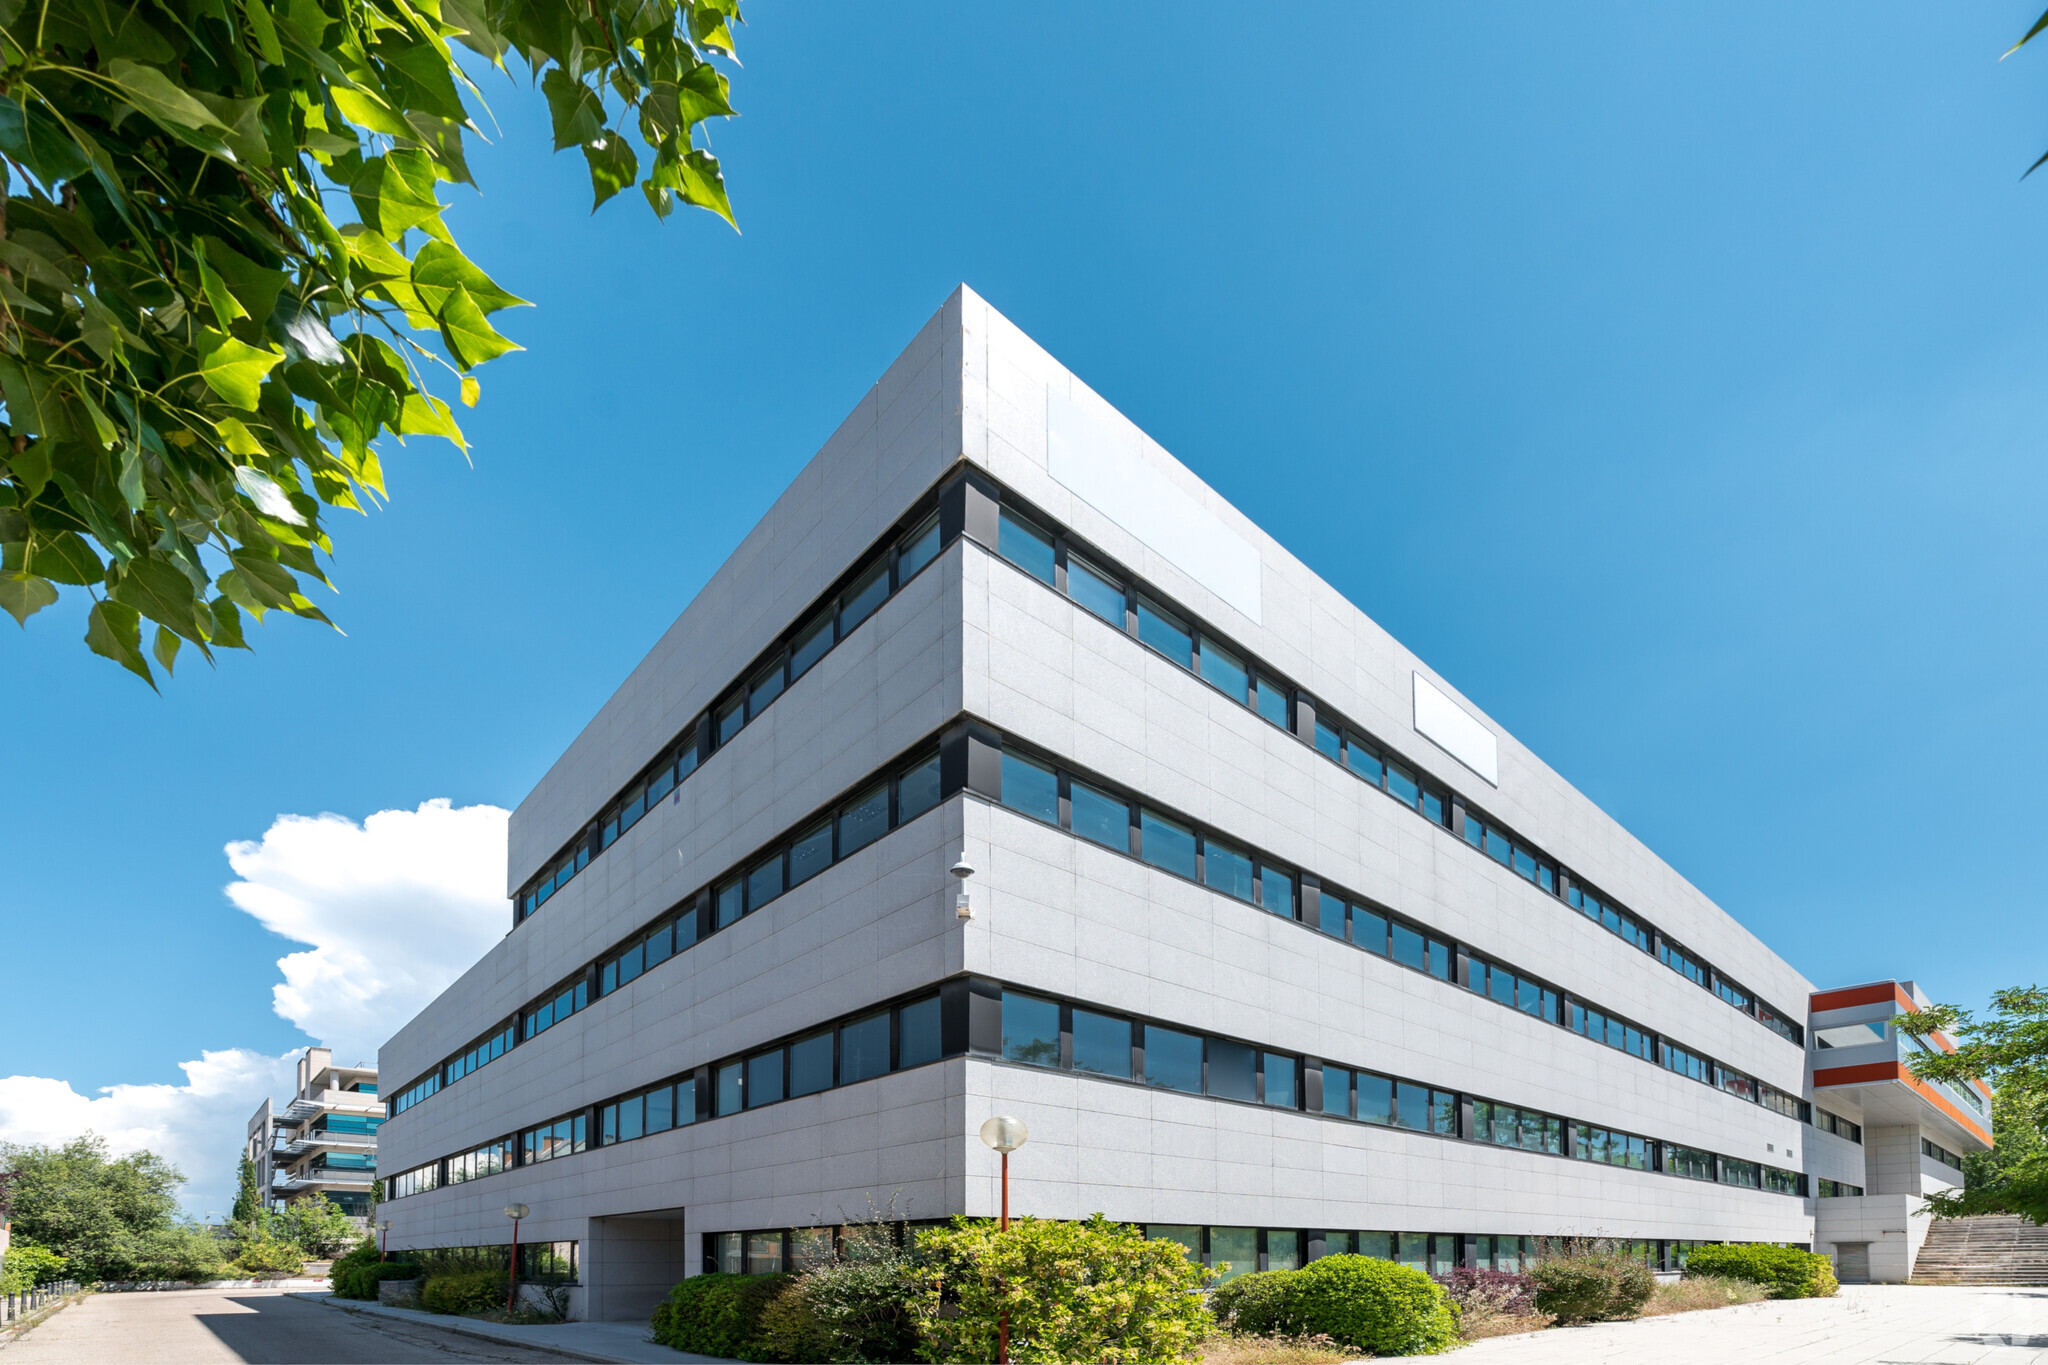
x: 383, y: 1237
x: 515, y: 1212
x: 1005, y: 1135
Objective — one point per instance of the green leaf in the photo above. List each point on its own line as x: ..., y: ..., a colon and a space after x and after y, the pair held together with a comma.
x: 226, y: 307
x: 243, y: 120
x: 577, y: 112
x: 467, y: 333
x: 419, y: 78
x: 395, y: 192
x: 441, y: 138
x: 227, y: 624
x: 24, y: 594
x: 256, y: 287
x: 151, y: 93
x: 40, y: 143
x: 612, y: 167
x: 234, y: 369
x: 367, y: 109
x: 166, y: 650
x: 263, y: 31
x: 425, y: 415
x: 471, y: 390
x: 159, y: 590
x: 702, y: 94
x: 36, y: 405
x: 114, y: 632
x: 700, y: 182
x: 67, y: 558
x: 440, y: 267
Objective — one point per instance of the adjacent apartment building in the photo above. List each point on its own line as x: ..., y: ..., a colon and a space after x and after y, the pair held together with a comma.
x: 1005, y: 768
x: 323, y: 1140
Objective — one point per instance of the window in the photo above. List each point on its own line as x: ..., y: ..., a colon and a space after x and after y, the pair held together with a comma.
x: 1840, y: 1127
x: 731, y: 719
x: 1025, y: 546
x: 1375, y: 1098
x: 1233, y: 1070
x: 1743, y: 1173
x: 765, y: 688
x: 1369, y: 929
x: 1852, y: 1035
x: 1776, y: 1100
x: 917, y: 790
x: 1166, y: 843
x: 764, y: 883
x: 1364, y: 760
x: 1276, y: 890
x: 731, y: 1091
x: 1329, y: 742
x: 1734, y: 1082
x: 1095, y: 591
x: 1676, y: 958
x: 1411, y: 1106
x: 863, y: 820
x: 1031, y: 1030
x: 1337, y: 1091
x: 1686, y: 1063
x: 1165, y: 633
x: 1188, y: 1239
x: 918, y: 1029
x: 1173, y: 1061
x: 764, y: 1079
x: 1226, y: 869
x: 1941, y: 1154
x: 868, y: 592
x: 1688, y: 1162
x: 1401, y: 785
x: 864, y: 1048
x: 1835, y: 1189
x: 1225, y: 671
x: 1330, y: 915
x: 730, y: 903
x: 1102, y: 1044
x: 918, y: 549
x: 1233, y: 1252
x: 1272, y: 703
x: 1100, y: 817
x: 1031, y: 788
x: 1408, y: 947
x: 810, y: 854
x: 811, y: 644
x: 1277, y: 1069
x: 1610, y: 1148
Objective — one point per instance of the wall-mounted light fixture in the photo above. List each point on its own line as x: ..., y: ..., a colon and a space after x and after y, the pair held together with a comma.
x: 963, y: 904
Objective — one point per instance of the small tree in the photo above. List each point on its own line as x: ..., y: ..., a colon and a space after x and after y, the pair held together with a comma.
x: 1095, y: 1291
x: 2009, y: 1050
x: 248, y: 1198
x: 318, y: 1226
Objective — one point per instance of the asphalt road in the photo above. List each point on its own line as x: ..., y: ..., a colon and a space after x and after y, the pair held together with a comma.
x: 254, y: 1326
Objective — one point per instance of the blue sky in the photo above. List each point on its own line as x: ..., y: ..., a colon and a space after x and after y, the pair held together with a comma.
x: 1667, y: 377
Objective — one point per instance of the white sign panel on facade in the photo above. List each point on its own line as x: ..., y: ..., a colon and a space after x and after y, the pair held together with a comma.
x: 1455, y: 730
x: 1108, y: 472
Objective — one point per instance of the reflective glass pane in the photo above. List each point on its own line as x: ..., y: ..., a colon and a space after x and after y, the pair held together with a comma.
x: 917, y: 791
x: 764, y: 1078
x: 1279, y: 1076
x: 661, y: 1109
x: 1233, y: 1070
x: 1226, y: 869
x: 732, y: 718
x: 1375, y: 1098
x: 1102, y: 1044
x: 1225, y: 670
x: 631, y: 1115
x: 1408, y: 948
x: 1100, y: 817
x: 731, y: 1088
x: 810, y: 854
x: 686, y: 1102
x: 1328, y: 742
x: 1276, y: 890
x: 867, y: 593
x: 1330, y: 915
x: 1095, y: 592
x: 731, y: 902
x: 918, y: 1030
x: 1189, y: 1239
x: 1369, y: 929
x: 864, y: 1048
x: 1283, y: 1249
x: 1025, y: 546
x: 766, y: 687
x: 1401, y: 783
x: 1031, y: 1030
x: 1337, y: 1091
x: 1411, y: 1106
x: 1363, y: 759
x: 764, y: 883
x: 863, y: 820
x: 1165, y: 634
x: 1233, y: 1252
x: 1173, y: 1061
x: 1031, y: 788
x: 810, y: 1065
x: 764, y: 1253
x: 810, y: 644
x: 1167, y: 843
x: 1272, y: 702
x: 919, y: 548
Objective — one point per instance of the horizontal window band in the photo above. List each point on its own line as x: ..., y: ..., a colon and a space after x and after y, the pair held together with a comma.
x: 1099, y: 585
x: 1117, y: 820
x: 979, y: 1019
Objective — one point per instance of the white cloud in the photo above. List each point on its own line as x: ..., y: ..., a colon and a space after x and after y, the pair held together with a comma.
x: 395, y: 908
x: 392, y: 911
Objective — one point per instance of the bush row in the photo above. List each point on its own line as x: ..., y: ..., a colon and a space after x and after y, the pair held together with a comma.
x: 1787, y: 1272
x: 1373, y: 1305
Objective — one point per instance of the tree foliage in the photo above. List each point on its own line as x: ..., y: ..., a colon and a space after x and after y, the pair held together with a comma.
x: 248, y: 1198
x: 2009, y: 1051
x: 28, y: 1265
x: 316, y: 1225
x: 225, y: 274
x: 105, y: 1215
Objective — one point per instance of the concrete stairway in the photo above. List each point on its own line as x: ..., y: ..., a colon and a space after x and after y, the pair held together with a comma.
x: 1985, y: 1250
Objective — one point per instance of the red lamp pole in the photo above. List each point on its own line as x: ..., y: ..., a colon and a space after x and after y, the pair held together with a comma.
x: 512, y: 1284
x: 1003, y: 1135
x: 1003, y: 1324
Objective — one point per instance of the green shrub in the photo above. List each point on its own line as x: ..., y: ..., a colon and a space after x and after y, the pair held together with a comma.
x: 361, y: 1281
x: 717, y: 1314
x: 1358, y: 1301
x: 263, y: 1254
x: 1250, y: 1304
x: 1092, y: 1291
x: 1592, y: 1286
x: 29, y: 1265
x: 464, y: 1291
x: 858, y: 1302
x: 1787, y: 1272
x: 790, y: 1329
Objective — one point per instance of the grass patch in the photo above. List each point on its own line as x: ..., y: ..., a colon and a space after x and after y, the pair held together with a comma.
x: 1702, y: 1291
x: 1480, y: 1326
x: 1224, y: 1349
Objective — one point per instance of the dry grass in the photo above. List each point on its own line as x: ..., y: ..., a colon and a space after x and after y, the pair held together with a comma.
x: 1480, y: 1326
x: 1224, y: 1349
x: 1701, y: 1291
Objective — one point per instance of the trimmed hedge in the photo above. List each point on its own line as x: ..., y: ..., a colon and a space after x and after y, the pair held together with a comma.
x: 1594, y: 1286
x: 717, y: 1314
x: 1787, y: 1272
x: 361, y: 1281
x: 465, y: 1291
x: 1375, y: 1305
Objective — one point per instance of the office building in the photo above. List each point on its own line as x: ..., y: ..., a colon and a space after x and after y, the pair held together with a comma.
x: 1005, y: 768
x: 323, y: 1140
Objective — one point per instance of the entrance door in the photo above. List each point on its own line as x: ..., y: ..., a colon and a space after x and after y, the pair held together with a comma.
x: 1852, y: 1262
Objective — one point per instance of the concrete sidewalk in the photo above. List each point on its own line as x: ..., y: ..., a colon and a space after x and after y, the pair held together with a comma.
x: 1864, y: 1325
x: 611, y: 1343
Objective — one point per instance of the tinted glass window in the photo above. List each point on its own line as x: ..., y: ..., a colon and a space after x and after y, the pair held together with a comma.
x: 1225, y: 670
x: 1031, y: 788
x: 686, y: 1102
x: 730, y: 1088
x: 1100, y: 817
x: 1273, y: 702
x: 917, y: 791
x: 1102, y: 1044
x: 863, y: 820
x: 1407, y: 946
x: 810, y: 1064
x: 1369, y: 929
x: 860, y: 600
x: 1173, y: 1061
x: 1232, y: 1070
x: 631, y: 1113
x: 810, y: 854
x: 764, y: 1078
x: 1440, y: 960
x: 1375, y: 1098
x: 1025, y: 546
x: 810, y: 644
x: 1363, y: 759
x: 764, y: 883
x: 731, y: 902
x: 1401, y: 783
x: 659, y: 944
x: 1095, y: 592
x: 919, y: 1029
x: 920, y: 548
x: 732, y: 718
x: 661, y: 1109
x: 1330, y: 912
x: 1279, y: 1073
x: 1276, y: 890
x: 766, y: 687
x: 1336, y: 1091
x: 1234, y: 1252
x: 1411, y: 1106
x: 864, y: 1048
x: 1165, y: 634
x: 1328, y: 742
x: 1031, y: 1030
x: 1226, y: 869
x: 1167, y: 843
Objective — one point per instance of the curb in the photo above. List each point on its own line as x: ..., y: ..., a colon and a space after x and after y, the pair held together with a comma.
x: 21, y: 1327
x: 435, y: 1320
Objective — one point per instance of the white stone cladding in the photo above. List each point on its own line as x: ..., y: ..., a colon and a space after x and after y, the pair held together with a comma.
x: 974, y: 636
